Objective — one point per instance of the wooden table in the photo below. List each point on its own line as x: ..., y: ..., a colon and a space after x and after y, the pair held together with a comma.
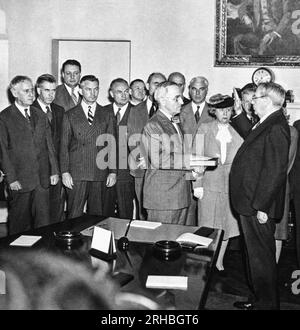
x: 198, y: 265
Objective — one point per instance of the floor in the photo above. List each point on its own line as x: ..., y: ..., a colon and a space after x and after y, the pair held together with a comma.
x: 232, y: 284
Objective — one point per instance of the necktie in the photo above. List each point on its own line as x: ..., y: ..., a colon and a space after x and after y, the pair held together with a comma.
x: 152, y: 110
x: 118, y: 116
x: 90, y: 115
x: 49, y: 114
x: 74, y: 97
x: 27, y: 115
x: 197, y: 115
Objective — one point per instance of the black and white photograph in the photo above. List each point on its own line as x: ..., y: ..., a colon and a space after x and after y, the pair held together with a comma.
x: 149, y: 159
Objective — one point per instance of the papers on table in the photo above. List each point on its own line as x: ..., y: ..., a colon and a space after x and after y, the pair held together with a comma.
x: 167, y: 282
x: 103, y: 241
x: 25, y: 240
x: 197, y: 160
x: 145, y: 224
x: 193, y: 239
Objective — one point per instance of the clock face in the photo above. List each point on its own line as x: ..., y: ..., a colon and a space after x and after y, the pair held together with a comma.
x: 262, y: 75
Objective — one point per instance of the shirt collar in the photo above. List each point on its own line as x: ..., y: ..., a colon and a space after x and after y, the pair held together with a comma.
x: 166, y: 114
x: 85, y: 107
x: 22, y: 109
x: 149, y: 104
x: 194, y: 106
x: 43, y: 105
x: 122, y: 111
x: 69, y: 89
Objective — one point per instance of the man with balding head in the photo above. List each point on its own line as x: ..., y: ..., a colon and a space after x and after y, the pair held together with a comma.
x: 257, y: 189
x: 179, y: 79
x: 28, y: 159
x: 137, y: 119
x: 120, y: 197
x: 166, y: 191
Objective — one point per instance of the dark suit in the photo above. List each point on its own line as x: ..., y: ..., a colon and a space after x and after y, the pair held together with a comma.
x: 122, y: 193
x: 257, y: 183
x: 78, y: 155
x: 137, y: 119
x: 56, y: 193
x: 294, y: 179
x: 167, y: 193
x: 28, y: 156
x: 64, y: 99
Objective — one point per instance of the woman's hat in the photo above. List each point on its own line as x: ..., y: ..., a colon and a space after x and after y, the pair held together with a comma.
x: 220, y: 101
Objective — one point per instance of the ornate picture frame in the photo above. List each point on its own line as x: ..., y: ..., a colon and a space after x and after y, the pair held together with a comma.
x: 257, y: 33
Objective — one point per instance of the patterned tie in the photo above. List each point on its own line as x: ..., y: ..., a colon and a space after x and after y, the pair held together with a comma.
x: 90, y: 115
x: 74, y: 97
x: 152, y: 110
x: 197, y: 115
x: 49, y: 114
x: 27, y: 116
x: 118, y: 116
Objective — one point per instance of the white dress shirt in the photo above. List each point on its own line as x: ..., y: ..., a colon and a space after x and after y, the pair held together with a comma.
x: 76, y: 91
x: 201, y: 105
x: 22, y: 109
x: 122, y: 111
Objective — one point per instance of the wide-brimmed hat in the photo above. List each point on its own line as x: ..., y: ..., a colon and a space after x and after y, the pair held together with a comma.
x: 220, y: 101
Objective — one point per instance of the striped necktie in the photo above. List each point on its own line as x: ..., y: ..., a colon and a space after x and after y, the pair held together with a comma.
x: 74, y: 97
x: 90, y: 115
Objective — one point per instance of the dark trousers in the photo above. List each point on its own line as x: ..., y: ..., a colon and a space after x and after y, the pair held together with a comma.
x: 28, y: 210
x: 262, y: 269
x: 92, y: 192
x: 119, y: 200
x: 296, y: 197
x: 57, y: 198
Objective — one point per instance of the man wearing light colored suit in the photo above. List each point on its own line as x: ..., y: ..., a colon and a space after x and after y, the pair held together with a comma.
x: 257, y: 190
x: 67, y: 94
x: 166, y: 191
x: 28, y: 159
x: 137, y: 120
x: 85, y: 176
x: 46, y: 86
x: 191, y: 116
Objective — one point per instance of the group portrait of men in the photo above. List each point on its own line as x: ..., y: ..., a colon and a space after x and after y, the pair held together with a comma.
x: 63, y: 154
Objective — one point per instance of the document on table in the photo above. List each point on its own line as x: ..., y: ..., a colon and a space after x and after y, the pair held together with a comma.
x: 145, y: 224
x: 167, y: 282
x: 25, y: 240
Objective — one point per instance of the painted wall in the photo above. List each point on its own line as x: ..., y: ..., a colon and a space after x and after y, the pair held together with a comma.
x: 166, y: 35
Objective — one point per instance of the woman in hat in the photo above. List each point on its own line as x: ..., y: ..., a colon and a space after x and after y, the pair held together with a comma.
x: 212, y: 190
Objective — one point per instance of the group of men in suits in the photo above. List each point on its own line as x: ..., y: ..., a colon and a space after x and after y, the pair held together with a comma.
x: 135, y: 148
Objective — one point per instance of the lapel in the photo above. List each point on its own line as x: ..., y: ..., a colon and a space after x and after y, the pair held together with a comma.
x: 259, y: 130
x: 190, y: 117
x: 124, y: 119
x: 97, y: 120
x: 81, y: 120
x: 20, y: 119
x: 167, y: 126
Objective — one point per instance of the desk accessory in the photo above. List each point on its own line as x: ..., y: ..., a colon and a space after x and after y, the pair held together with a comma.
x: 103, y: 244
x: 167, y: 250
x: 123, y: 242
x: 68, y: 238
x: 25, y: 240
x: 167, y: 282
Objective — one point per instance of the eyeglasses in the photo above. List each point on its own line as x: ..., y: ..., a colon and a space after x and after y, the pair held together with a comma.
x: 258, y: 97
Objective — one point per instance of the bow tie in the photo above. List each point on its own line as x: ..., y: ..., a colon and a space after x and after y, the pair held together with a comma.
x: 175, y: 119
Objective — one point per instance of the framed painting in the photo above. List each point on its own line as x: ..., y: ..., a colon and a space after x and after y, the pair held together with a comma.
x: 257, y: 33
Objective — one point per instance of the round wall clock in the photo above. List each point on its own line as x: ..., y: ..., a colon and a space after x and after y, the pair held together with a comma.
x: 261, y: 75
